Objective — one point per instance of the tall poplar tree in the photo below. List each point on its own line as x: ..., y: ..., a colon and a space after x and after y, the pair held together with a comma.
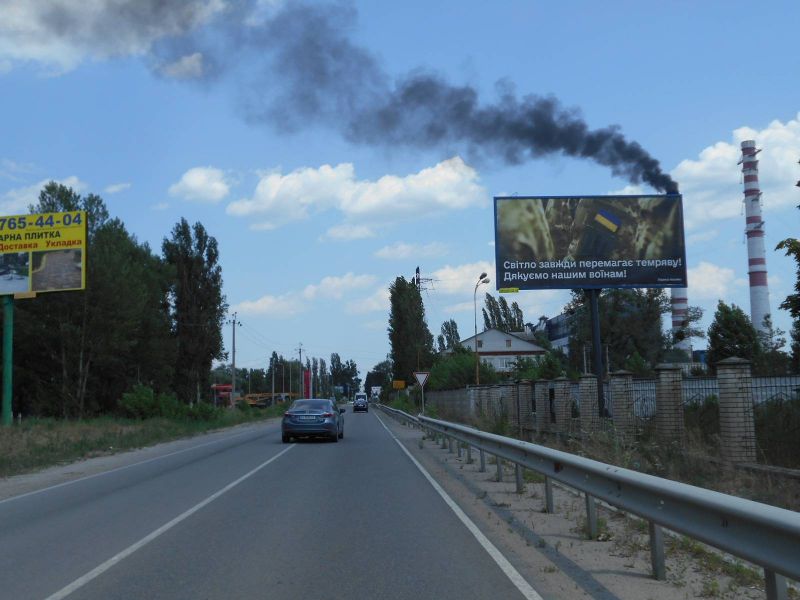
x: 198, y: 306
x: 410, y: 339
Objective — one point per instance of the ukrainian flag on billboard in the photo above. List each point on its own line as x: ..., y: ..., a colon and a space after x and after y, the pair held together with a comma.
x: 607, y: 220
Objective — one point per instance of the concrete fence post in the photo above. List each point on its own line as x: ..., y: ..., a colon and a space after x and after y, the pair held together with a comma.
x: 541, y: 395
x: 621, y: 387
x: 590, y: 416
x: 525, y: 396
x: 736, y: 421
x: 562, y: 400
x: 669, y: 403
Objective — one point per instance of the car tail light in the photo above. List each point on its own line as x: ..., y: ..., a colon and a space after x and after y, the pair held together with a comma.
x: 327, y: 415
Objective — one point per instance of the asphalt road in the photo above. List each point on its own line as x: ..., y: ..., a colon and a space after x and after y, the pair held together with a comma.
x: 249, y: 517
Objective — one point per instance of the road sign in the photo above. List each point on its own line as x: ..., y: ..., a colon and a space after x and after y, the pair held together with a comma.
x: 399, y: 384
x: 421, y: 376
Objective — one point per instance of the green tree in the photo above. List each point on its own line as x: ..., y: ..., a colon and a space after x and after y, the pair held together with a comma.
x: 499, y: 315
x: 457, y: 370
x: 732, y: 334
x: 630, y: 323
x: 410, y: 339
x: 198, y: 305
x: 449, y: 337
x: 380, y: 375
x: 78, y: 352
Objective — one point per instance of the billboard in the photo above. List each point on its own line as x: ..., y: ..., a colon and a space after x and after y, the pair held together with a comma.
x: 43, y: 252
x: 549, y: 242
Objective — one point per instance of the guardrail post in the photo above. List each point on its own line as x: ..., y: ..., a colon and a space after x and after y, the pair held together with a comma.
x: 591, y: 517
x: 450, y: 443
x: 499, y: 462
x: 444, y: 441
x: 458, y: 449
x: 657, y: 551
x: 549, y: 506
x: 736, y: 421
x: 776, y: 585
x: 483, y: 460
x: 518, y: 475
x: 469, y: 454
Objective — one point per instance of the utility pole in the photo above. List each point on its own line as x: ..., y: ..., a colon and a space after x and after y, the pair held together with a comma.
x: 302, y: 382
x: 234, y: 323
x: 272, y: 368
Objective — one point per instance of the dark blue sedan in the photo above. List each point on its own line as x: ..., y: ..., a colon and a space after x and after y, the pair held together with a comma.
x: 317, y: 417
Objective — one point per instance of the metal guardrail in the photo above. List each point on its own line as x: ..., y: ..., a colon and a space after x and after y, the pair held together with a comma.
x: 764, y: 535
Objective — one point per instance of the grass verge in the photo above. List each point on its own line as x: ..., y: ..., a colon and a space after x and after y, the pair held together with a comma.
x: 38, y: 443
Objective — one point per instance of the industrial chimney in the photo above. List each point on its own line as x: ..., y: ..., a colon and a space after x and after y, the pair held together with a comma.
x: 680, y: 312
x: 754, y: 229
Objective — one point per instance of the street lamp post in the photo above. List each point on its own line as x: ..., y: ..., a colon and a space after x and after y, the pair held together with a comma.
x: 482, y: 279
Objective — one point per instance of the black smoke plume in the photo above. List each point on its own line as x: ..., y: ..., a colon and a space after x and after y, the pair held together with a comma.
x: 297, y: 65
x: 323, y: 76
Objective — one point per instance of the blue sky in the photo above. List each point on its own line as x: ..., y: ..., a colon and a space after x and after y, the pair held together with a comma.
x: 152, y: 115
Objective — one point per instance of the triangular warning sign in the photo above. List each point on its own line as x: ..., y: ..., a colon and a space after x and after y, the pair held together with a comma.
x: 422, y: 377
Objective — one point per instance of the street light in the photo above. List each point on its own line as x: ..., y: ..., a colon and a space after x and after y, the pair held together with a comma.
x: 481, y: 279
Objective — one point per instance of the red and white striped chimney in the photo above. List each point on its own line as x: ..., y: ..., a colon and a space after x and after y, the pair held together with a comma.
x: 754, y: 229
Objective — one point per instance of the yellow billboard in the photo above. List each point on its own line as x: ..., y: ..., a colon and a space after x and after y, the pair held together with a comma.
x: 43, y: 252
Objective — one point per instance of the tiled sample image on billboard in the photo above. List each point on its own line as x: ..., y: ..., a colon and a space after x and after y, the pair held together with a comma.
x: 57, y: 270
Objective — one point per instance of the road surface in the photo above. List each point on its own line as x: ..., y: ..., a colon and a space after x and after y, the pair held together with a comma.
x: 245, y: 516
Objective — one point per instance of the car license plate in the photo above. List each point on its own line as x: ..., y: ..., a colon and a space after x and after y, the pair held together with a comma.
x: 308, y: 418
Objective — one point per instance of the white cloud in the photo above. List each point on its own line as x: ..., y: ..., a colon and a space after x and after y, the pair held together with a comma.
x: 13, y: 170
x: 701, y: 236
x: 160, y: 206
x: 186, y: 67
x: 403, y: 251
x: 709, y: 281
x: 348, y: 231
x: 462, y: 307
x: 337, y: 287
x: 285, y: 305
x: 203, y: 184
x: 377, y: 301
x: 711, y: 185
x: 116, y: 188
x: 461, y: 279
x: 60, y: 34
x: 18, y: 200
x: 364, y: 204
x: 629, y: 190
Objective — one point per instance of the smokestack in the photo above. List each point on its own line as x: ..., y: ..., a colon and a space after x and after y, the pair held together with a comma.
x: 680, y: 311
x: 754, y: 229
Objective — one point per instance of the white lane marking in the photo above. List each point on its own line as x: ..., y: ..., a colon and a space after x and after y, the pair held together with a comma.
x: 100, y: 569
x: 518, y: 580
x: 62, y: 484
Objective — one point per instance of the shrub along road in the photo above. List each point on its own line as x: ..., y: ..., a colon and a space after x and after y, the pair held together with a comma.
x: 245, y: 516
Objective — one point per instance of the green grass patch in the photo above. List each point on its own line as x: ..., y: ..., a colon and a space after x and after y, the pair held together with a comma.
x: 38, y: 443
x: 710, y: 561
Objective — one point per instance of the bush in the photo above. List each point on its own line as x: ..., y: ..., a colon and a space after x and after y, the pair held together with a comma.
x: 203, y: 411
x: 139, y: 403
x: 170, y: 407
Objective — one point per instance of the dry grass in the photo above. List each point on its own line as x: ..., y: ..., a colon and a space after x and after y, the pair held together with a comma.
x: 38, y: 443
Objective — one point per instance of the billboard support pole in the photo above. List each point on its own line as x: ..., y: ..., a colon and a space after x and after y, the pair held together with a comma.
x: 8, y: 360
x: 597, y: 352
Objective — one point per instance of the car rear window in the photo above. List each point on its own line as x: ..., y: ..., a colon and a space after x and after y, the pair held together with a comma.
x: 312, y: 404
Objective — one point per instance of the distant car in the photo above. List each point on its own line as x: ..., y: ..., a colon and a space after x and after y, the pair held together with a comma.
x: 317, y: 417
x: 360, y: 403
